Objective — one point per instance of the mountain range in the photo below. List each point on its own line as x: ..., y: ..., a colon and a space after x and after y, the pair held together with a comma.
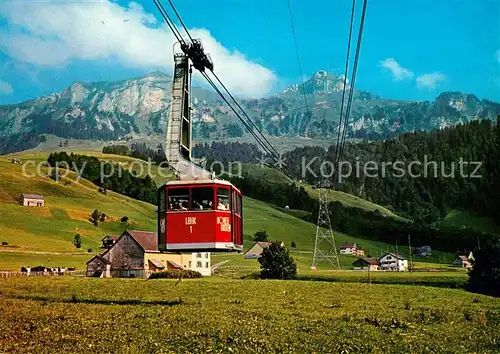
x: 138, y: 107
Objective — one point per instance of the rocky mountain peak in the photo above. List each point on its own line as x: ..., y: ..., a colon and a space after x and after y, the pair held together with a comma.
x: 320, y: 82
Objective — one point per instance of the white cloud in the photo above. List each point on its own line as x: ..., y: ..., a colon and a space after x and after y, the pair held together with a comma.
x: 51, y: 34
x: 5, y: 88
x: 430, y: 81
x: 397, y: 71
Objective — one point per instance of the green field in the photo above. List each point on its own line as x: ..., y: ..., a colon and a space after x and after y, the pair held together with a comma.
x: 87, y: 315
x: 68, y: 208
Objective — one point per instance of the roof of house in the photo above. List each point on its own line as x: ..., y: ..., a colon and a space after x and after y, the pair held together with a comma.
x: 464, y: 258
x: 372, y: 261
x: 257, y: 250
x: 157, y: 263
x: 32, y: 196
x: 112, y: 237
x: 348, y: 245
x: 99, y: 256
x: 175, y: 265
x: 147, y: 240
x: 395, y: 255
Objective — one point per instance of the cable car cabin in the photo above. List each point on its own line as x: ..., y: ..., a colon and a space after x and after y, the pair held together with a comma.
x: 203, y: 215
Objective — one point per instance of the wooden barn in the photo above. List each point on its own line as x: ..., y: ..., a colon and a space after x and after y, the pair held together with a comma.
x: 135, y: 254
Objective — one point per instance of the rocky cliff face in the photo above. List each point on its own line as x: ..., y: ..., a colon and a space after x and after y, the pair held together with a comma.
x: 139, y: 106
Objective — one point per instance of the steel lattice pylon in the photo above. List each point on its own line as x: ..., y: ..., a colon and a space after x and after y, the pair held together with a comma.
x: 324, y: 235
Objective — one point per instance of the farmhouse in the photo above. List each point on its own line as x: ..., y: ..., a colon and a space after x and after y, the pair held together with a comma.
x: 365, y: 264
x: 393, y: 262
x: 423, y: 251
x: 256, y: 250
x: 348, y: 248
x: 108, y: 241
x: 462, y: 262
x: 359, y: 252
x: 136, y: 254
x: 32, y: 200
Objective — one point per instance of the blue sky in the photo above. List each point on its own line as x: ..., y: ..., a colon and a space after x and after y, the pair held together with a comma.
x: 411, y: 50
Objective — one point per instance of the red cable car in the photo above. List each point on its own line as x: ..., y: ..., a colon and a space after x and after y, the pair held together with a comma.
x: 197, y: 212
x: 202, y: 215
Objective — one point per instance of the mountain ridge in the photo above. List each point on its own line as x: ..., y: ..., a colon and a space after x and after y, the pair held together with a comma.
x: 135, y: 107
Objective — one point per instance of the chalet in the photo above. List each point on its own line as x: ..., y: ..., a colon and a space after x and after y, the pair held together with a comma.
x: 462, y: 262
x: 393, y: 262
x: 365, y: 264
x: 423, y: 251
x: 136, y: 254
x: 108, y: 241
x: 32, y: 200
x: 359, y: 252
x: 348, y: 248
x: 256, y: 250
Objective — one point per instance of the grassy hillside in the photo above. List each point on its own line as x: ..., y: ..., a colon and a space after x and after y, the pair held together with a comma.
x: 462, y: 219
x: 69, y: 205
x: 64, y: 314
x: 275, y: 176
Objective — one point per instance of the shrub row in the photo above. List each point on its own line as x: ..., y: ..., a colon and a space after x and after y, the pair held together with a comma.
x: 174, y: 274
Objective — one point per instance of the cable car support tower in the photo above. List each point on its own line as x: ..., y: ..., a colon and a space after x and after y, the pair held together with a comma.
x: 324, y: 245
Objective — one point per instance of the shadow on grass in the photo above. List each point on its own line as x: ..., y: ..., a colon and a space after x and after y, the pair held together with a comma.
x: 76, y: 300
x: 438, y: 283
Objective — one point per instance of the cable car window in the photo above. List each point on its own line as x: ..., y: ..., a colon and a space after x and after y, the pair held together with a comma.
x: 240, y: 205
x: 202, y: 198
x: 223, y: 199
x: 161, y: 200
x: 178, y: 199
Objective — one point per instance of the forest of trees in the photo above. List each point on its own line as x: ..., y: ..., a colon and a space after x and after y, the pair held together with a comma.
x: 108, y: 175
x: 424, y: 196
x: 437, y: 182
x: 138, y: 151
x: 228, y: 152
x: 372, y: 225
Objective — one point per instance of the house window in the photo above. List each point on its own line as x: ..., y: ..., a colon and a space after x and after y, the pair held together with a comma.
x: 198, y: 255
x: 206, y: 265
x: 189, y: 264
x: 206, y: 255
x: 389, y: 257
x: 198, y: 264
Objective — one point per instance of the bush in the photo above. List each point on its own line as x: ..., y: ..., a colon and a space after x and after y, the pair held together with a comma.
x: 95, y: 216
x: 4, y: 243
x: 260, y: 236
x: 89, y: 250
x: 175, y: 274
x: 124, y: 219
x: 293, y: 245
x: 276, y: 263
x: 103, y: 190
x: 103, y: 217
x: 77, y: 241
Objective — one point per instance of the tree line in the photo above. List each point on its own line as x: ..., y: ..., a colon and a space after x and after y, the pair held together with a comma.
x: 439, y: 169
x: 108, y: 176
x: 138, y: 151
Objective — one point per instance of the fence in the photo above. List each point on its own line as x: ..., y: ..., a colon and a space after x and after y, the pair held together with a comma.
x: 18, y: 274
